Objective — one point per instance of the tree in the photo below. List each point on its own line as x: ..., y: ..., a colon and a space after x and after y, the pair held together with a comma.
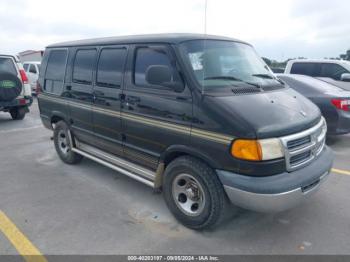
x: 267, y: 61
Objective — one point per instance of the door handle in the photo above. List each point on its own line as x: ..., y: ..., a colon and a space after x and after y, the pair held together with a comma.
x: 122, y: 97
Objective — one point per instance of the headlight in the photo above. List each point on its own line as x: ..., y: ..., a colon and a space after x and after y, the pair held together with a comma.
x: 257, y: 150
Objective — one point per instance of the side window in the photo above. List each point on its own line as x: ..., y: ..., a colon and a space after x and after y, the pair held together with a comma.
x: 55, y: 71
x: 83, y: 65
x: 146, y: 57
x: 304, y: 69
x: 110, y: 67
x: 32, y: 69
x: 333, y: 71
x: 26, y: 66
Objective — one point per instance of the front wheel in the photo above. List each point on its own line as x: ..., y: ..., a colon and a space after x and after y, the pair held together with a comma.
x: 17, y: 113
x: 193, y: 193
x: 63, y: 145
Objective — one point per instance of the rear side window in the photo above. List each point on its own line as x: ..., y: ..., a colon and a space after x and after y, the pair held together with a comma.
x: 56, y: 65
x: 310, y: 69
x: 333, y: 71
x: 83, y: 66
x: 55, y: 71
x: 32, y: 69
x: 146, y: 57
x: 7, y: 66
x: 25, y: 66
x: 110, y: 67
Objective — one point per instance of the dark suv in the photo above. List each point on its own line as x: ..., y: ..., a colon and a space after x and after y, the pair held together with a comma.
x: 200, y: 117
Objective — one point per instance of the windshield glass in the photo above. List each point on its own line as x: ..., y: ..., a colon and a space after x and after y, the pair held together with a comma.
x: 7, y: 66
x: 218, y: 63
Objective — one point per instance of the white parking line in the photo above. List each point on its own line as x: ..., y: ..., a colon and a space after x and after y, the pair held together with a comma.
x: 19, y: 129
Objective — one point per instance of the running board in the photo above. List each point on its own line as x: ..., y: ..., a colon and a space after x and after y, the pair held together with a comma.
x: 129, y: 169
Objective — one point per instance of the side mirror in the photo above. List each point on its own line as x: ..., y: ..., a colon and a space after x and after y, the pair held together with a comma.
x: 161, y: 75
x: 345, y: 77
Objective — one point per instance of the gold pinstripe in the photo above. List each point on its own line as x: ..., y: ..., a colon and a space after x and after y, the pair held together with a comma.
x: 212, y: 136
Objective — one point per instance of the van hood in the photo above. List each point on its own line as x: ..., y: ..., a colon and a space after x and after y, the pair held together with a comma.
x: 269, y: 114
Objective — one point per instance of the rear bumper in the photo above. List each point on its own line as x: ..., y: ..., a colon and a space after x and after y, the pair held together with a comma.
x: 278, y: 192
x: 25, y: 101
x: 343, y: 125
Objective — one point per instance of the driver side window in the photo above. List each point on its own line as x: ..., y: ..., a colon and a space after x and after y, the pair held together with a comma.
x: 146, y: 57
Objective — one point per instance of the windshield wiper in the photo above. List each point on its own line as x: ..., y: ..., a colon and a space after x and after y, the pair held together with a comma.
x: 269, y: 77
x: 231, y: 78
x: 264, y: 76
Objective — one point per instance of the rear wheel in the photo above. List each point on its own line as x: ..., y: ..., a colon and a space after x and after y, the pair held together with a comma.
x: 17, y: 113
x: 193, y: 193
x: 63, y: 145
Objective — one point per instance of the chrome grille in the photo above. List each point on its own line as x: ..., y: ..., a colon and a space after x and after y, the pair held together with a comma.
x: 298, y: 142
x: 301, y: 148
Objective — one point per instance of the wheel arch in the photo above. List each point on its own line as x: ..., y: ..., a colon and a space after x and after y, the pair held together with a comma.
x: 175, y: 151
x: 57, y: 116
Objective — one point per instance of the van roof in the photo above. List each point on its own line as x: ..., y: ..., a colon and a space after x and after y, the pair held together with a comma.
x: 134, y: 39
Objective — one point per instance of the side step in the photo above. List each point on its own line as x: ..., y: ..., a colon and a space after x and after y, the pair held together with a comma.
x: 120, y: 165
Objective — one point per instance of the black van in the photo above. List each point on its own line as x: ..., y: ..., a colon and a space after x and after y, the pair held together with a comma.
x: 200, y: 117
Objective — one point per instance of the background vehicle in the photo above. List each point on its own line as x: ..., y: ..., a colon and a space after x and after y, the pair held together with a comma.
x: 18, y: 101
x: 32, y: 70
x: 333, y: 101
x: 333, y: 71
x: 201, y: 117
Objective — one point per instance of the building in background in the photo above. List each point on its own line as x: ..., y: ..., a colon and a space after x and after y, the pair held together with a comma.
x: 31, y: 55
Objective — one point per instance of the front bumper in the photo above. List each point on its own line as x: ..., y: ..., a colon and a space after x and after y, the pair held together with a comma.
x: 278, y: 192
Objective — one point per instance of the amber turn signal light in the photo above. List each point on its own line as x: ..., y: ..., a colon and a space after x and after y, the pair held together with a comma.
x: 247, y: 150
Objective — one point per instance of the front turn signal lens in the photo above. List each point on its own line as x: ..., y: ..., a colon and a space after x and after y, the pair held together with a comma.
x: 257, y: 150
x: 247, y: 150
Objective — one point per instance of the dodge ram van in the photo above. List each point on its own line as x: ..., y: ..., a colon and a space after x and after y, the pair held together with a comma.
x: 201, y: 118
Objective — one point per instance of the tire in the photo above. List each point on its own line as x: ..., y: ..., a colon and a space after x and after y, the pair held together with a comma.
x: 63, y: 146
x: 202, y: 204
x: 18, y: 113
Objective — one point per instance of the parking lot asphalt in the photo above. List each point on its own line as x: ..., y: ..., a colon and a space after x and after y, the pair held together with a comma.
x: 90, y: 209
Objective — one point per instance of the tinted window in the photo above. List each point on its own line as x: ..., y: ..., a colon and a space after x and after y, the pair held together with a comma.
x: 25, y: 66
x: 32, y: 69
x: 146, y: 57
x: 56, y: 65
x: 333, y: 71
x: 55, y: 71
x: 83, y: 65
x: 110, y: 67
x: 310, y: 69
x: 7, y: 65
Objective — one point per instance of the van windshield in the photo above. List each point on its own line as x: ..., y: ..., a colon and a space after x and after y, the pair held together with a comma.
x: 217, y: 63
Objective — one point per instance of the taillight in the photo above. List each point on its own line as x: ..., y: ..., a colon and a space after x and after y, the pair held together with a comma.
x: 22, y: 101
x: 38, y: 88
x: 342, y: 104
x: 23, y: 76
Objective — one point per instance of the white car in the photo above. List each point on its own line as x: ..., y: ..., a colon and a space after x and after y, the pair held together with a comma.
x: 17, y: 102
x: 32, y: 70
x: 336, y: 72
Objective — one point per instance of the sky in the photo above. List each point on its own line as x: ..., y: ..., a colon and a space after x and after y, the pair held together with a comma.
x: 279, y: 29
